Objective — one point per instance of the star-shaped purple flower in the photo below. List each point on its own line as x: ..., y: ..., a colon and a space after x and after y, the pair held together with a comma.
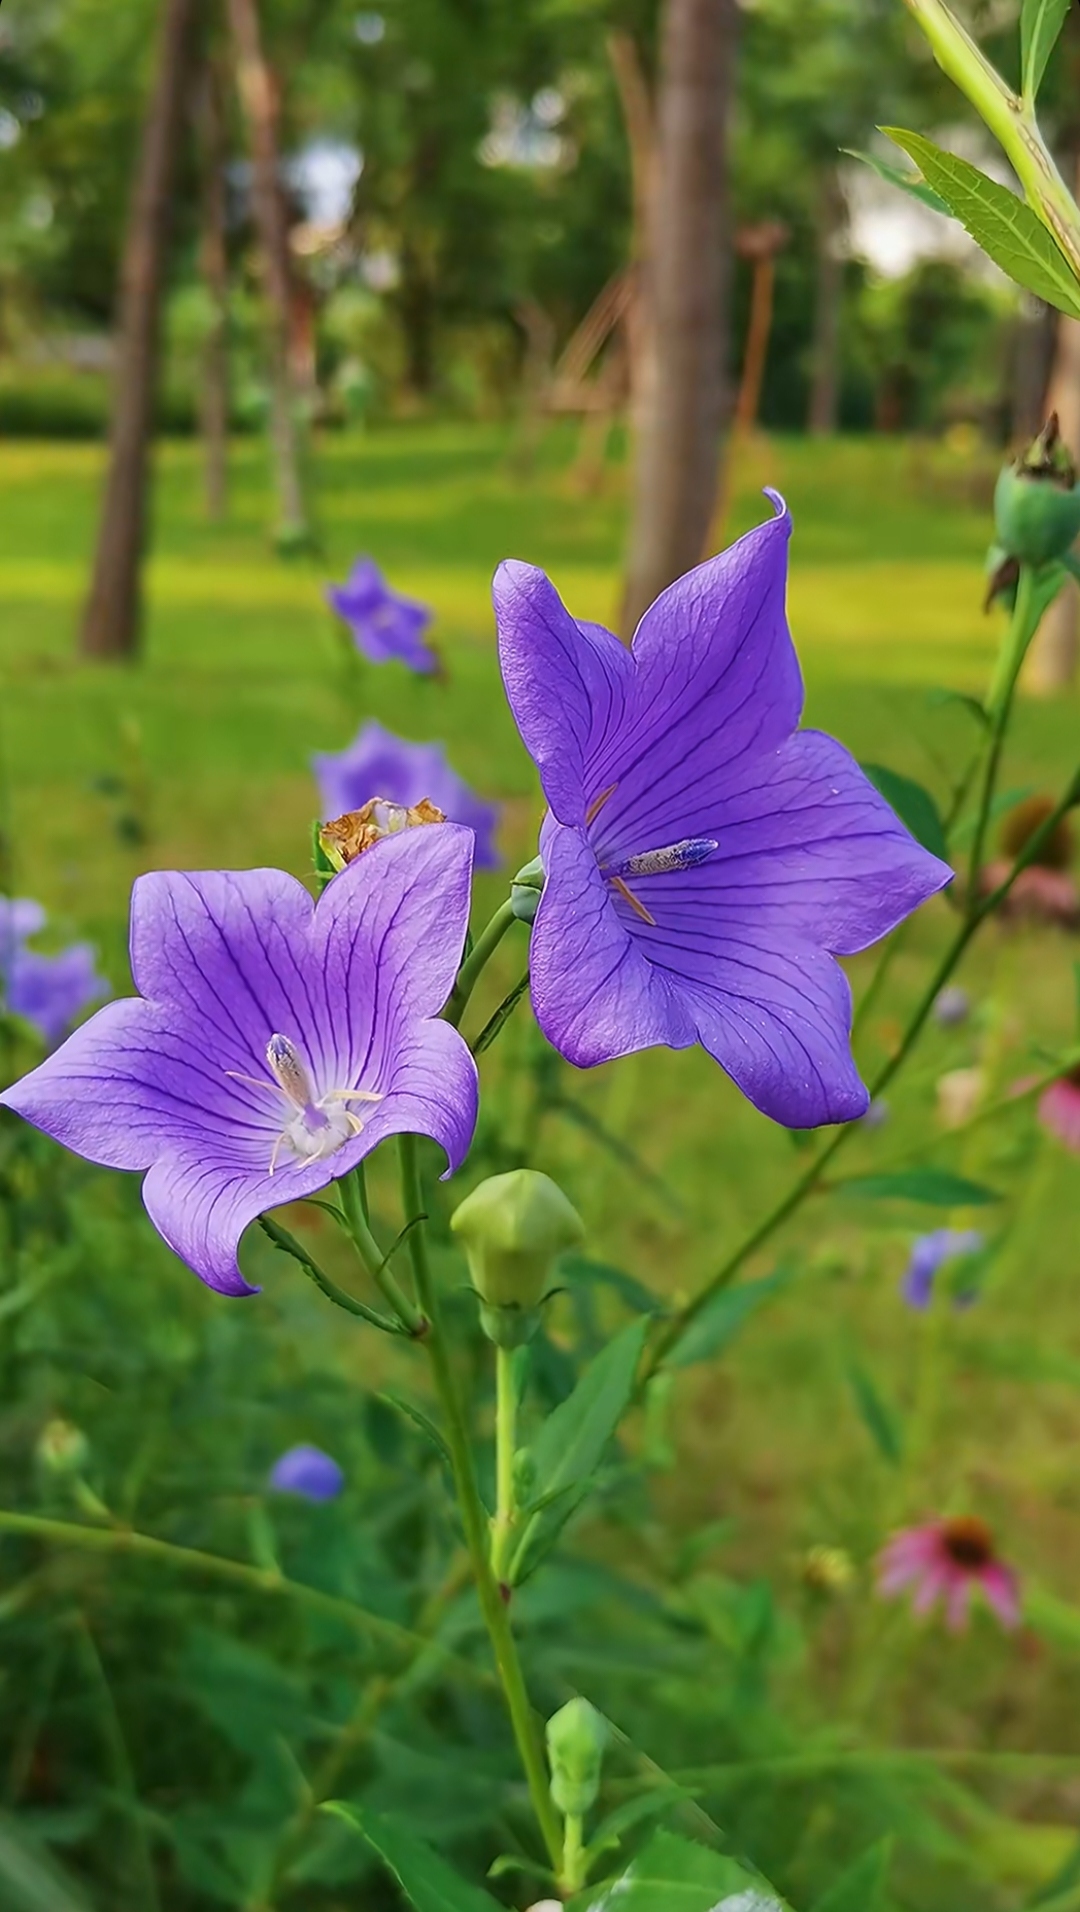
x: 706, y: 860
x: 378, y: 764
x: 275, y: 1041
x: 384, y: 624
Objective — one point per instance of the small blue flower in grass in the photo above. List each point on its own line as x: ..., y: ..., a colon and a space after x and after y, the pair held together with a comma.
x: 378, y: 764
x: 307, y: 1471
x: 384, y: 624
x: 706, y: 859
x: 929, y: 1255
x: 275, y: 1041
x: 952, y: 1006
x: 48, y: 992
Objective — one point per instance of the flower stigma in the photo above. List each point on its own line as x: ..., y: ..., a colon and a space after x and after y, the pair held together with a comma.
x: 684, y: 855
x: 318, y: 1125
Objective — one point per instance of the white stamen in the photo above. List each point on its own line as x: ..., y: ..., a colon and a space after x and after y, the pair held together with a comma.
x: 317, y: 1125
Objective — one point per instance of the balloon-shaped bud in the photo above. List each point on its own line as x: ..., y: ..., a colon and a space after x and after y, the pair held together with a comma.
x: 1037, y: 501
x: 62, y: 1449
x: 576, y: 1738
x: 513, y: 1228
x: 526, y: 889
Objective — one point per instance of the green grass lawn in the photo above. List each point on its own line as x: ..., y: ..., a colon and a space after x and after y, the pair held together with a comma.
x: 245, y: 675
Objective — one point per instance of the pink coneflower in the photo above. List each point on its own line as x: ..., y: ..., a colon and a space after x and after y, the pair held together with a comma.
x: 949, y: 1560
x: 1059, y: 1110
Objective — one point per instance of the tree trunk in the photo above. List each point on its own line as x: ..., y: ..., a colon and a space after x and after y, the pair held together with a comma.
x: 683, y: 384
x: 112, y: 617
x: 259, y: 99
x: 213, y: 259
x: 828, y: 293
x: 1051, y: 664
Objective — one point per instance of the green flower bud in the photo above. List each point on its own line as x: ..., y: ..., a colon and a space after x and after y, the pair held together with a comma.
x: 62, y: 1449
x: 525, y: 890
x: 514, y: 1227
x: 576, y: 1738
x: 1037, y: 501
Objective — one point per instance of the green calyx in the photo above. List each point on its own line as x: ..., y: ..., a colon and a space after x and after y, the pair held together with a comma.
x: 1037, y: 501
x: 576, y: 1738
x: 513, y: 1228
x: 526, y: 890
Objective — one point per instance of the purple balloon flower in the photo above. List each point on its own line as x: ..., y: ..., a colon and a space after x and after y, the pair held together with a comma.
x: 384, y: 625
x: 929, y: 1253
x: 307, y: 1471
x: 20, y: 917
x: 378, y: 764
x: 51, y: 992
x: 275, y: 1041
x: 706, y: 860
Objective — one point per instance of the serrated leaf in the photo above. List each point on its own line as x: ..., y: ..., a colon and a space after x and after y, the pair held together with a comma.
x: 30, y: 1880
x: 877, y: 1416
x: 1041, y: 22
x: 572, y: 1443
x: 428, y: 1882
x: 914, y: 806
x: 896, y: 176
x: 671, y: 1875
x: 935, y: 1187
x: 718, y: 1324
x: 863, y: 1885
x: 1003, y: 225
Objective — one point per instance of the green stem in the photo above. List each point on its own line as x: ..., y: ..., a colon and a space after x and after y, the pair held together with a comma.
x: 1022, y: 628
x: 572, y: 1878
x: 506, y: 1406
x: 477, y: 960
x: 1010, y: 119
x: 811, y: 1177
x: 289, y: 1245
x: 474, y: 1518
x: 351, y: 1192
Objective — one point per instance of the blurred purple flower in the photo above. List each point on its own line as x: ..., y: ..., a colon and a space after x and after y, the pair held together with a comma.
x: 378, y: 764
x: 706, y: 860
x: 952, y: 1006
x: 307, y: 1471
x: 275, y: 1043
x: 51, y: 992
x: 384, y: 625
x: 950, y: 1560
x: 929, y: 1254
x: 19, y: 918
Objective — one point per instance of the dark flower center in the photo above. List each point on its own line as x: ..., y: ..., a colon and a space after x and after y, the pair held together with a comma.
x: 968, y: 1542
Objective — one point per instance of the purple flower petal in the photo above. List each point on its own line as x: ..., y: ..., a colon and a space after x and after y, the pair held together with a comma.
x: 378, y: 764
x: 307, y: 1471
x: 929, y: 1254
x: 720, y: 858
x: 384, y: 624
x: 225, y: 961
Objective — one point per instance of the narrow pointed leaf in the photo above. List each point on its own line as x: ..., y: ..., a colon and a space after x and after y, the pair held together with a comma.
x: 573, y: 1440
x: 420, y: 1420
x: 1041, y: 22
x: 30, y: 1880
x: 934, y: 1187
x: 914, y: 806
x: 428, y: 1882
x: 910, y: 183
x: 1003, y: 225
x: 671, y: 1875
x: 862, y: 1887
x: 719, y: 1323
x: 877, y: 1415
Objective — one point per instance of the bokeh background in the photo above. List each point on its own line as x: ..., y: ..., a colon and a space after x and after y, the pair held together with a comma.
x: 432, y: 332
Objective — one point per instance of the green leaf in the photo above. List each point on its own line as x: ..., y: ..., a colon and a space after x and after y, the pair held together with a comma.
x: 935, y: 1187
x: 638, y: 1298
x: 876, y: 1414
x: 913, y: 805
x: 718, y: 1324
x: 896, y: 176
x: 671, y: 1875
x: 429, y: 1884
x: 572, y: 1442
x: 1006, y: 229
x: 862, y: 1887
x: 1041, y: 22
x: 420, y: 1420
x: 633, y: 1812
x: 30, y: 1881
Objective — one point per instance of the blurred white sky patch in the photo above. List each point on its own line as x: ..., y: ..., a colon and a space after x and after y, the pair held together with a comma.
x: 324, y: 176
x: 893, y: 232
x: 526, y: 134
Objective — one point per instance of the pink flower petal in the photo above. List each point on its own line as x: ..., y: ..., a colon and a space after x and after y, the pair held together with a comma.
x: 1002, y: 1591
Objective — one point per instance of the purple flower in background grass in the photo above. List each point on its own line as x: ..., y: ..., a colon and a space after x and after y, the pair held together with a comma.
x: 51, y: 992
x: 384, y: 625
x: 275, y: 1041
x: 20, y: 917
x: 950, y: 1560
x: 307, y: 1471
x: 706, y: 860
x: 378, y: 764
x: 929, y: 1254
